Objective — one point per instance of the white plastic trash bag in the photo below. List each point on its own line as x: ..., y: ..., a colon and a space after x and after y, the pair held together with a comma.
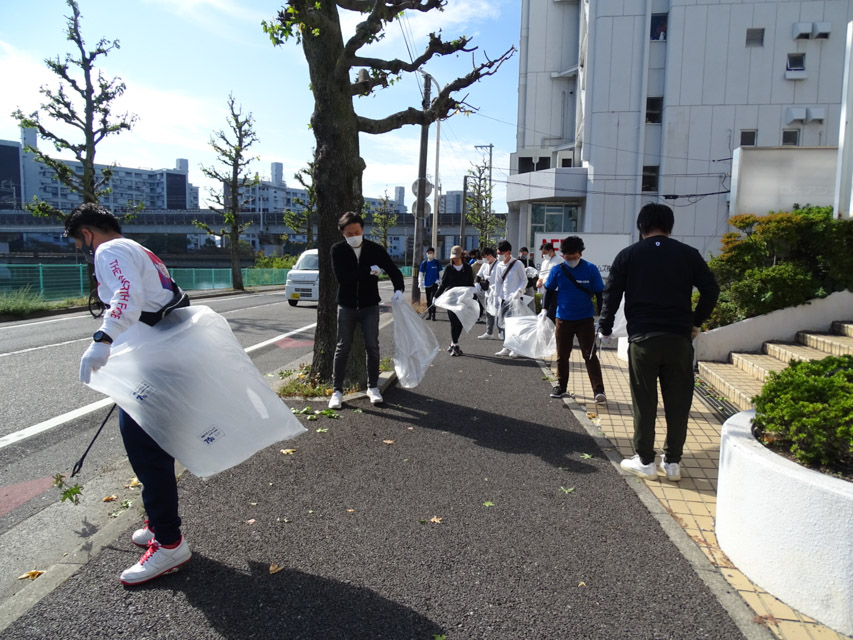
x: 620, y: 323
x: 460, y: 300
x: 192, y: 388
x: 415, y: 344
x: 530, y: 336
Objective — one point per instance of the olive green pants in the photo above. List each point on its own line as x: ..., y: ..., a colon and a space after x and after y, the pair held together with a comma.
x: 668, y: 358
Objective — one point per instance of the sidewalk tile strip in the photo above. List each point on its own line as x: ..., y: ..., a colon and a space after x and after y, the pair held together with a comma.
x: 692, y: 502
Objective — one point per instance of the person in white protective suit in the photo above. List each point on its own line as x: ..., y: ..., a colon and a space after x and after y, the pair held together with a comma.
x: 137, y: 287
x: 510, y: 283
x: 483, y: 283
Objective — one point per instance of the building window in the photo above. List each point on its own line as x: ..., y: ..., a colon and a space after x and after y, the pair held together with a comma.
x: 747, y: 137
x: 525, y: 165
x: 650, y: 178
x: 566, y: 163
x: 755, y: 37
x: 654, y: 110
x: 558, y: 219
x: 790, y: 137
x: 658, y: 26
x: 796, y: 62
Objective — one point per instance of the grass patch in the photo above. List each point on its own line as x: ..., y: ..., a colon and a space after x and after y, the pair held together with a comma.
x: 24, y: 302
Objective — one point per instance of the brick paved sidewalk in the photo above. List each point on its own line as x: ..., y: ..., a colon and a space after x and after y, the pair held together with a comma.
x: 692, y: 501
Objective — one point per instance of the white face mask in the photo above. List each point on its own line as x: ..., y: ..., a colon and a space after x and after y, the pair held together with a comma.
x: 354, y: 241
x: 573, y: 263
x: 430, y: 256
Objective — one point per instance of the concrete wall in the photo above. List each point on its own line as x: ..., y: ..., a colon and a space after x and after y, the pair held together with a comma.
x: 748, y: 335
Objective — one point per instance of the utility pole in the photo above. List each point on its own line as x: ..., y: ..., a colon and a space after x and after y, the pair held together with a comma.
x: 417, y: 250
x: 464, y: 210
x: 490, y: 147
x: 436, y: 199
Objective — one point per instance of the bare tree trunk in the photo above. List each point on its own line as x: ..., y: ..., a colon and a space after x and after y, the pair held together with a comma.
x: 337, y: 175
x: 236, y: 271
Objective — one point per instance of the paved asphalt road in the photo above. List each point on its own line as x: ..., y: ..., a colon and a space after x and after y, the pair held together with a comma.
x: 533, y: 539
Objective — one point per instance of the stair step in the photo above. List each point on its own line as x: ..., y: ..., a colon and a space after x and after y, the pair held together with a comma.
x: 733, y: 383
x: 758, y: 365
x: 787, y: 351
x: 830, y: 344
x: 843, y: 327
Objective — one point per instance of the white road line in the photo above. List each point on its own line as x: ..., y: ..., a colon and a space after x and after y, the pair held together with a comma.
x: 23, y: 434
x: 44, y: 346
x: 75, y: 316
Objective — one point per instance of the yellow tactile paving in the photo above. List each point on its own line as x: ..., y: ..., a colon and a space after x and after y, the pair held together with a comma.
x: 692, y: 502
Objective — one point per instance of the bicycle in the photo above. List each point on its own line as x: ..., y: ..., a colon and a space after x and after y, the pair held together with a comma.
x: 96, y: 307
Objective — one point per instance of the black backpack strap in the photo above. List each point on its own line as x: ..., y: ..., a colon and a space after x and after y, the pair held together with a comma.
x: 576, y: 283
x: 179, y: 299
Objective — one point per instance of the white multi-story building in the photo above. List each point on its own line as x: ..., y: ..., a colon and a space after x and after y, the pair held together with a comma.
x: 627, y: 102
x: 22, y: 178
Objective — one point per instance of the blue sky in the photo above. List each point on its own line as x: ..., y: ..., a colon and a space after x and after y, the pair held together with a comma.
x: 181, y: 58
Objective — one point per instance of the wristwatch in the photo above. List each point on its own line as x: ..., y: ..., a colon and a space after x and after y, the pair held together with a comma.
x: 100, y: 336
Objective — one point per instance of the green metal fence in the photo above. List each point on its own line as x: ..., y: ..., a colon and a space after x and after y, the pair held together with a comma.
x: 60, y: 281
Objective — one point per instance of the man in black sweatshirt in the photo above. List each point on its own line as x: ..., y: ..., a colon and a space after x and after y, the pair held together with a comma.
x: 357, y: 264
x: 657, y: 276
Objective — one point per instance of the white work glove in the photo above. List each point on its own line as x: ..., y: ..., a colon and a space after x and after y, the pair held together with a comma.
x: 606, y: 341
x: 96, y: 356
x: 478, y: 288
x: 421, y: 287
x: 516, y: 295
x: 375, y: 271
x: 543, y: 314
x: 398, y: 295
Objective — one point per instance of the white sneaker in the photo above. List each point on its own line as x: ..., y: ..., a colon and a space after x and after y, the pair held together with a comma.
x: 335, y: 400
x: 155, y: 562
x: 142, y: 537
x: 503, y: 352
x: 485, y: 336
x: 600, y: 398
x: 636, y: 467
x: 671, y: 469
x: 374, y: 395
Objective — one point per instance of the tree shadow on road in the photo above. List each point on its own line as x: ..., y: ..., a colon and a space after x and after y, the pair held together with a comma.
x: 290, y: 604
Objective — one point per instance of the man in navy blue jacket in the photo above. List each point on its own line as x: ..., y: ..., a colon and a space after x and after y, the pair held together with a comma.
x: 357, y: 263
x: 657, y: 276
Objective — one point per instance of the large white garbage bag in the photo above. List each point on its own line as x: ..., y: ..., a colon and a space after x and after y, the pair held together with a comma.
x: 415, y: 345
x: 530, y: 336
x: 620, y: 324
x: 192, y: 388
x: 460, y: 300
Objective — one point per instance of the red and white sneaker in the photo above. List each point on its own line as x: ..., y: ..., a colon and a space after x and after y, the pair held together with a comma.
x: 155, y: 562
x: 142, y: 537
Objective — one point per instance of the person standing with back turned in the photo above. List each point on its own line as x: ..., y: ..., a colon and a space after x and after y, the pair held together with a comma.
x: 657, y: 275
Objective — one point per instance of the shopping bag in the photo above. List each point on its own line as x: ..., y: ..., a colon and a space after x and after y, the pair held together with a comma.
x: 188, y: 383
x: 414, y: 342
x: 460, y: 300
x: 530, y: 336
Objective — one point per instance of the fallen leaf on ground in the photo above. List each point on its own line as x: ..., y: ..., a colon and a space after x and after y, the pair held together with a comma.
x: 274, y: 568
x: 110, y: 498
x: 582, y: 584
x: 252, y: 521
x: 288, y: 452
x: 133, y: 484
x: 388, y: 441
x: 590, y: 414
x: 436, y: 519
x: 31, y: 575
x: 488, y: 503
x: 350, y: 510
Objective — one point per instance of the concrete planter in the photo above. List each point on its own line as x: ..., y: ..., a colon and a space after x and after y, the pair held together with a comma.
x: 787, y: 528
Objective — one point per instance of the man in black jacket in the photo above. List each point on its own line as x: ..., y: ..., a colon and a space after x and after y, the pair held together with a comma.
x: 357, y: 264
x: 657, y: 276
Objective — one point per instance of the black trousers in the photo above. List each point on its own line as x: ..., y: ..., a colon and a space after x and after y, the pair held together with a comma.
x: 455, y: 327
x: 430, y: 293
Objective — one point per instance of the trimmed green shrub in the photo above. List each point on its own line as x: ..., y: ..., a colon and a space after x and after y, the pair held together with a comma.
x: 761, y: 291
x: 809, y: 409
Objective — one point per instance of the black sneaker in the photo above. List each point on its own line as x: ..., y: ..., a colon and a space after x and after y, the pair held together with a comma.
x: 556, y: 392
x: 456, y: 351
x: 450, y: 349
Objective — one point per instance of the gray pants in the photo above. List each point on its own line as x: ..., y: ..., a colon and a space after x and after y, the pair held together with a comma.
x: 348, y: 318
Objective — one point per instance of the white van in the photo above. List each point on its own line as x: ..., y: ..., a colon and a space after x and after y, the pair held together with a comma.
x: 303, y: 280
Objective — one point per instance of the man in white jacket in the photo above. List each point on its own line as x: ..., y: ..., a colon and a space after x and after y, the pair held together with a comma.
x: 510, y: 283
x: 137, y: 287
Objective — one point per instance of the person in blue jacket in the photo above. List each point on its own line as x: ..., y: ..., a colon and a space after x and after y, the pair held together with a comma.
x: 575, y: 283
x: 428, y: 280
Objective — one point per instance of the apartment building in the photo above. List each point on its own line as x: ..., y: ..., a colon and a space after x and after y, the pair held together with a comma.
x: 623, y: 102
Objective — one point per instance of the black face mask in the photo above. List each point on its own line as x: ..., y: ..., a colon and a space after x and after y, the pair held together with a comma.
x: 88, y: 251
